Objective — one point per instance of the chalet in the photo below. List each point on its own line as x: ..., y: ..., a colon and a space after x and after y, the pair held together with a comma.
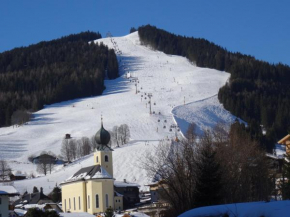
x: 5, y: 193
x: 44, y: 158
x: 286, y: 141
x: 130, y: 192
x: 16, y: 176
x: 156, y: 189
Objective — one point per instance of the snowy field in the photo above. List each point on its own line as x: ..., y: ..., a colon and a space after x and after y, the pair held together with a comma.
x: 181, y: 93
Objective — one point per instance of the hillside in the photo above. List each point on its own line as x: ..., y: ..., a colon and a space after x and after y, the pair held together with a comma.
x: 257, y: 91
x: 52, y: 71
x: 172, y: 80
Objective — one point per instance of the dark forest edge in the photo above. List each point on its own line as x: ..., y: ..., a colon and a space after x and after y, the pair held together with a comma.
x: 258, y: 92
x: 53, y: 71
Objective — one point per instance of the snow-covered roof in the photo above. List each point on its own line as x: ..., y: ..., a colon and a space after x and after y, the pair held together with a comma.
x: 273, y: 209
x: 20, y: 212
x: 76, y: 214
x: 91, y: 172
x: 8, y: 190
x: 125, y: 184
x: 118, y: 194
x: 135, y: 214
x: 276, y: 157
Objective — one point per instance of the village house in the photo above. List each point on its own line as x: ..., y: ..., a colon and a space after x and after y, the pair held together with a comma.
x: 33, y: 198
x: 129, y: 191
x: 286, y: 141
x: 92, y: 189
x: 5, y: 193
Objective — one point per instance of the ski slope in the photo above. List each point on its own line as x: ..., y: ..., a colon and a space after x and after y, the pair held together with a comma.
x: 181, y: 93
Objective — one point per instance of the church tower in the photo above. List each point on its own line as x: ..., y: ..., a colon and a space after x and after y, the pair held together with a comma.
x: 103, y: 155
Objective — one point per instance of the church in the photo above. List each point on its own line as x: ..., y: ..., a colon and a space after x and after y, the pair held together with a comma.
x: 91, y: 189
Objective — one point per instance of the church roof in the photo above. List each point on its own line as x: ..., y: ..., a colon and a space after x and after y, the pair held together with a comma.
x: 102, y: 137
x: 91, y: 172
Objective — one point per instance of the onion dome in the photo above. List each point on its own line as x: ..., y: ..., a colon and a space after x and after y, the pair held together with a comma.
x: 102, y: 137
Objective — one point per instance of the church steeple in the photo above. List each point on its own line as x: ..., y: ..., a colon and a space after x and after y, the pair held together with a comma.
x: 103, y: 156
x: 102, y: 137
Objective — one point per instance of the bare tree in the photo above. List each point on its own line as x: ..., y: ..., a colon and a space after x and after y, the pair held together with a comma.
x: 125, y: 133
x: 42, y: 166
x: 174, y: 164
x: 20, y: 117
x: 46, y: 162
x: 65, y: 150
x: 73, y: 148
x: 94, y: 144
x: 245, y: 167
x: 83, y: 147
x: 190, y: 133
x: 115, y: 136
x: 183, y: 168
x: 5, y: 170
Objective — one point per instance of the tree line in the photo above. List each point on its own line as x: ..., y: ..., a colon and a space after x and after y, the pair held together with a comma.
x: 72, y: 149
x: 223, y: 166
x: 53, y: 71
x: 258, y: 92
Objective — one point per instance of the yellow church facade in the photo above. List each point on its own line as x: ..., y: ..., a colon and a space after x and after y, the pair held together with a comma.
x: 91, y: 189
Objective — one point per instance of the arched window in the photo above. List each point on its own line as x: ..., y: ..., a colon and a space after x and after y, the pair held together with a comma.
x: 97, y: 201
x: 79, y: 203
x: 74, y: 203
x: 107, y: 200
x: 106, y: 158
x: 97, y: 159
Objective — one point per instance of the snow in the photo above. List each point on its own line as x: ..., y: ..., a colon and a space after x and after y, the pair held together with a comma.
x: 172, y: 80
x: 270, y: 209
x: 125, y: 184
x: 102, y: 175
x: 280, y: 150
x: 205, y: 113
x: 76, y: 214
x: 135, y: 214
x: 8, y: 190
x: 20, y: 212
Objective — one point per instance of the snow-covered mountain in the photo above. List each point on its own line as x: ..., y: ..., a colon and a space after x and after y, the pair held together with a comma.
x: 181, y: 93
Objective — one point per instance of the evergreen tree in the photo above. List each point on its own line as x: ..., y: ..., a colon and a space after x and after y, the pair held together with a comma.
x: 209, y: 179
x: 285, y: 184
x: 56, y: 194
x: 35, y: 190
x: 109, y: 212
x: 53, y: 71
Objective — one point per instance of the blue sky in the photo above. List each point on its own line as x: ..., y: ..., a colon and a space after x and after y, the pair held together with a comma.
x: 258, y: 28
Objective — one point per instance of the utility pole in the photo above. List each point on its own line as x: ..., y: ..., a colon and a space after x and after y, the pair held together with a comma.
x: 136, y: 84
x: 149, y: 96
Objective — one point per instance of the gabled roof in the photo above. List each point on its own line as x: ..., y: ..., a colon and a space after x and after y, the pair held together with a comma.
x: 283, y: 141
x: 8, y: 190
x: 91, y: 172
x: 33, y: 198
